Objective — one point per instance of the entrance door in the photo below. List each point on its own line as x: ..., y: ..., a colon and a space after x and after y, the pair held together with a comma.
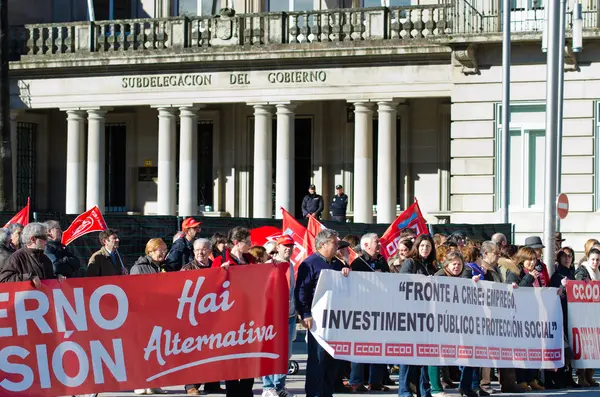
x: 302, y: 163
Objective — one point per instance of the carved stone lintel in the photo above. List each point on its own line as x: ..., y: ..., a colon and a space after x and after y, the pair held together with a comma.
x: 570, y: 60
x: 467, y: 58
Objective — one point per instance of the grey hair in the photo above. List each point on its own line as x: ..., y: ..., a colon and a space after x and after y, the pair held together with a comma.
x: 14, y: 226
x: 5, y: 236
x: 488, y: 246
x: 52, y: 225
x: 32, y: 230
x: 366, y: 239
x: 324, y: 236
x: 498, y: 238
x: 202, y: 241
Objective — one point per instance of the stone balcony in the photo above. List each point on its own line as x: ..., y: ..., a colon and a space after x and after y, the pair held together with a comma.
x: 416, y: 30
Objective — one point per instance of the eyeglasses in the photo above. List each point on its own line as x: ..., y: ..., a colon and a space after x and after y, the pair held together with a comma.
x: 44, y: 237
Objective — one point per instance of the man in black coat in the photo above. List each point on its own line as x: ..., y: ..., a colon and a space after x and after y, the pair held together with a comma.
x: 339, y: 205
x: 63, y: 260
x: 181, y: 252
x: 312, y: 204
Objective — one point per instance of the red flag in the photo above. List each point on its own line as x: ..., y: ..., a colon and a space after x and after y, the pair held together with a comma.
x: 314, y: 227
x: 89, y: 221
x: 303, y: 246
x: 21, y: 217
x: 412, y: 218
x: 262, y: 235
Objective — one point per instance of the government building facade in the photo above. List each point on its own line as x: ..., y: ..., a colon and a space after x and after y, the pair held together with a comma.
x: 233, y: 108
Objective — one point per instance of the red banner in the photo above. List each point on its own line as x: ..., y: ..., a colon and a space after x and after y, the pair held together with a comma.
x: 127, y: 332
x: 21, y: 217
x: 412, y: 218
x: 89, y: 221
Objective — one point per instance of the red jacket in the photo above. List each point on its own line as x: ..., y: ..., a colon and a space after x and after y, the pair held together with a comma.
x: 226, y: 256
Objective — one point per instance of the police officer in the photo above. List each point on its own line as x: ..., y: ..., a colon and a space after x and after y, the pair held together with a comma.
x: 312, y: 204
x: 339, y: 204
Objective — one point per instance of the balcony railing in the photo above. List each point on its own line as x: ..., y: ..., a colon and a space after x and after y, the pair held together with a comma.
x: 402, y: 24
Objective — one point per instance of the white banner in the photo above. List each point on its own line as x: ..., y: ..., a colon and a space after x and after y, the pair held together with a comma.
x: 584, y: 323
x: 409, y: 319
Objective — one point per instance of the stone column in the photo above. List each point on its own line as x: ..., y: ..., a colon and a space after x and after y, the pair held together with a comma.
x: 363, y: 162
x: 14, y: 141
x: 263, y: 162
x: 386, y: 162
x: 95, y: 159
x: 188, y: 162
x: 284, y: 166
x: 75, y: 195
x: 166, y: 161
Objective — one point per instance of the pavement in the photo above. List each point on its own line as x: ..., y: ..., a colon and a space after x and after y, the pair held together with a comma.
x: 295, y: 383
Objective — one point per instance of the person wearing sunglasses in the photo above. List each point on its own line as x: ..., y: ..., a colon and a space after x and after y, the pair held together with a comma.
x: 29, y: 263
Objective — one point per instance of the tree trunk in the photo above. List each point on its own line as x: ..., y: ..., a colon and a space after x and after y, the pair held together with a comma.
x: 6, y: 188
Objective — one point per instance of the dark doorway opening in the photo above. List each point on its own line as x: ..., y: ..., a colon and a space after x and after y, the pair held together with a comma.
x: 26, y: 164
x: 205, y: 166
x: 302, y: 163
x: 115, y: 167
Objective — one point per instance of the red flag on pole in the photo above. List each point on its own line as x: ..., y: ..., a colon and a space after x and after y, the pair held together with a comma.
x: 303, y: 246
x: 21, y: 217
x: 89, y: 221
x: 412, y: 218
x: 262, y: 235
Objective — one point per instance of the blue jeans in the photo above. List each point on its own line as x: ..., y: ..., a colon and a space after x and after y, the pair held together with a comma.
x: 424, y: 388
x: 277, y: 382
x: 321, y: 370
x: 376, y: 374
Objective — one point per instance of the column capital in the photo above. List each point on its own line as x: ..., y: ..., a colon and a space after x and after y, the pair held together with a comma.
x: 387, y: 106
x: 285, y: 108
x: 262, y: 108
x: 96, y: 114
x: 363, y: 106
x: 75, y: 114
x: 166, y: 111
x: 189, y: 111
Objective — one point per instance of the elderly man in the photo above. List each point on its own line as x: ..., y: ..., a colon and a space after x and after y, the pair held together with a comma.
x: 63, y: 260
x: 181, y: 250
x: 202, y: 251
x: 500, y: 240
x: 370, y: 260
x: 107, y: 261
x: 274, y: 385
x: 321, y: 368
x: 29, y: 263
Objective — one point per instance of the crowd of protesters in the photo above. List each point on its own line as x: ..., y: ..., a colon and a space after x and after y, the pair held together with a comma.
x: 34, y: 253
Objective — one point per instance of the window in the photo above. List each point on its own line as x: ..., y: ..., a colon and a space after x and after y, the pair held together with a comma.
x: 290, y: 5
x: 106, y: 10
x: 26, y: 164
x: 526, y: 156
x: 192, y: 8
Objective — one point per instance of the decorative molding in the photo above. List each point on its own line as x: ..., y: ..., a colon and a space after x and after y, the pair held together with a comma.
x: 467, y: 57
x: 570, y: 60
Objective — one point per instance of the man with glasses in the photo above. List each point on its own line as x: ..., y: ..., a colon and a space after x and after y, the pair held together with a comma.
x: 29, y: 263
x: 321, y: 368
x: 181, y: 252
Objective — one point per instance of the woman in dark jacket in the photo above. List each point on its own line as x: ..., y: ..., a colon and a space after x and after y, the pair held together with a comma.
x: 530, y: 276
x: 156, y: 253
x: 454, y: 266
x: 420, y: 260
